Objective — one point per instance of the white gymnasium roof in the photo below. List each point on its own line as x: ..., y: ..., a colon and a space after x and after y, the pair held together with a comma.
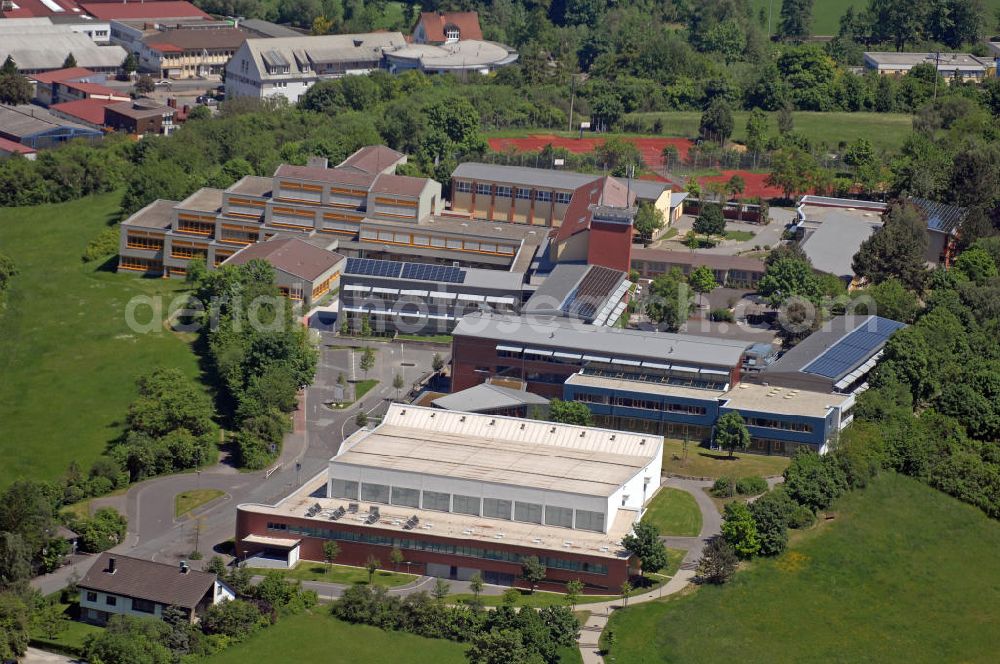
x: 502, y: 450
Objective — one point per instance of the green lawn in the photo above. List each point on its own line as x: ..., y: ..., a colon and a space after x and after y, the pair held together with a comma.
x: 308, y: 570
x: 740, y: 236
x: 826, y: 13
x: 71, y: 639
x: 430, y: 338
x: 886, y: 131
x: 318, y: 637
x: 186, y: 501
x: 363, y: 387
x: 902, y: 574
x: 537, y: 600
x: 68, y: 360
x: 674, y: 512
x: 703, y: 462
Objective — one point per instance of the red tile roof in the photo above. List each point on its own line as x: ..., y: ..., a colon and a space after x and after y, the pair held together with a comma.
x: 14, y: 147
x: 95, y: 89
x: 62, y: 75
x: 36, y: 8
x: 466, y: 22
x: 88, y: 110
x: 141, y: 10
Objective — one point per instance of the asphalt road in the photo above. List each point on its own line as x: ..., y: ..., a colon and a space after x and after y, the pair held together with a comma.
x: 155, y: 534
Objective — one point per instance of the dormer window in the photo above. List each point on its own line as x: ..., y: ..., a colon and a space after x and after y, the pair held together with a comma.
x: 451, y: 33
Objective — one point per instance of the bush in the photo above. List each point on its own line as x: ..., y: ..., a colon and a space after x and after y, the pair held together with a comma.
x: 724, y: 487
x: 722, y: 315
x: 102, y: 531
x: 235, y: 619
x: 102, y: 246
x: 751, y: 486
x: 801, y: 517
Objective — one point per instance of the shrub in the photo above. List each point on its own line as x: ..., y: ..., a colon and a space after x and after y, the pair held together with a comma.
x: 751, y: 486
x: 718, y: 561
x: 102, y: 246
x: 724, y: 487
x: 722, y: 315
x: 801, y: 517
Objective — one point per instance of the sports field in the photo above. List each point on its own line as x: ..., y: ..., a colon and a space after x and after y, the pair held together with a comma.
x: 68, y: 361
x: 903, y: 573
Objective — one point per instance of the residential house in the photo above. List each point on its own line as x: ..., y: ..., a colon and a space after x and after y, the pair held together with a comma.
x: 447, y: 27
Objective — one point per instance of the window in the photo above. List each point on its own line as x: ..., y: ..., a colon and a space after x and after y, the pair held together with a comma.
x: 91, y: 596
x: 110, y: 600
x: 437, y: 501
x: 563, y: 197
x: 529, y: 512
x: 405, y: 497
x: 463, y: 187
x: 544, y: 196
x: 496, y: 509
x: 465, y: 505
x: 143, y: 605
x: 503, y: 192
x: 558, y: 516
x: 483, y: 189
x: 768, y: 423
x: 590, y: 521
x: 375, y: 493
x: 523, y: 194
x: 343, y: 489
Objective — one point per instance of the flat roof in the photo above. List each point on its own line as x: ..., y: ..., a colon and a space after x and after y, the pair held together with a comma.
x: 487, y: 396
x: 551, y: 332
x: 205, y: 199
x: 943, y: 60
x: 781, y: 400
x: 134, y: 10
x: 252, y: 185
x: 461, y: 54
x: 643, y: 387
x: 456, y: 526
x: 158, y: 214
x: 697, y: 259
x: 501, y: 450
x: 547, y: 177
x: 833, y: 236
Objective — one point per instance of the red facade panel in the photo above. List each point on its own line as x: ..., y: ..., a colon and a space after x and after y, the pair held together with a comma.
x: 610, y: 245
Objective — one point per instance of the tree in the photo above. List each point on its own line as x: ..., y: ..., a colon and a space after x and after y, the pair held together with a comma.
x: 131, y: 64
x: 510, y: 596
x: 736, y: 186
x: 702, y: 279
x: 792, y: 170
x: 796, y: 16
x: 216, y: 565
x: 710, y: 220
x: 625, y: 591
x: 740, y: 530
x: 570, y: 412
x: 14, y: 88
x: 236, y: 619
x: 648, y: 220
x: 716, y: 122
x: 441, y: 589
x: 396, y: 557
x: 731, y: 432
x: 574, y: 589
x: 367, y: 360
x: 786, y: 121
x: 814, y: 481
x: 101, y: 532
x: 128, y: 640
x: 787, y: 278
x: 532, y: 571
x: 976, y: 265
x: 892, y: 300
x: 50, y: 620
x: 644, y: 542
x: 15, y: 560
x: 330, y: 552
x: 670, y: 301
x: 145, y: 84
x: 898, y: 249
x: 69, y: 62
x: 320, y: 26
x: 15, y: 627
x: 361, y: 420
x: 861, y: 153
x: 397, y: 384
x: 437, y: 362
x: 770, y: 515
x: 757, y: 131
x: 371, y: 565
x: 476, y: 586
x: 499, y: 646
x: 718, y: 561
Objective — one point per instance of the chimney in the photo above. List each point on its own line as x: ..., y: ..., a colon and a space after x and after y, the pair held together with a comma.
x: 111, y: 565
x: 184, y: 567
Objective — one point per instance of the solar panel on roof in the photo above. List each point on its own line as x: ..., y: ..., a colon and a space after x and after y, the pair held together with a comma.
x: 853, y: 349
x: 430, y: 272
x: 593, y: 290
x: 373, y: 267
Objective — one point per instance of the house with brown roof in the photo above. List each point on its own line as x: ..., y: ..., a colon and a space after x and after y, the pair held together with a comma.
x: 305, y: 271
x: 121, y: 585
x: 446, y: 28
x: 140, y: 117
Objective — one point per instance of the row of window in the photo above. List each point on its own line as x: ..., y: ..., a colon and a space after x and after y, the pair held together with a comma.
x: 784, y: 425
x: 520, y: 193
x: 140, y: 264
x: 641, y: 404
x: 141, y: 605
x: 143, y: 242
x: 657, y: 427
x: 436, y: 242
x: 493, y: 508
x: 437, y: 547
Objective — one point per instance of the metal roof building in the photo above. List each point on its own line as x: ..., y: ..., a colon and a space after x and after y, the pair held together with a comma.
x: 38, y: 48
x: 645, y: 190
x: 37, y: 128
x: 490, y: 398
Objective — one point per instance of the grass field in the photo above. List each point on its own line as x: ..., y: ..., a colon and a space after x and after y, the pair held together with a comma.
x: 703, y: 462
x: 826, y: 13
x: 308, y: 570
x: 317, y: 637
x: 186, y: 501
x: 902, y: 574
x: 886, y: 131
x: 68, y: 360
x: 674, y: 512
